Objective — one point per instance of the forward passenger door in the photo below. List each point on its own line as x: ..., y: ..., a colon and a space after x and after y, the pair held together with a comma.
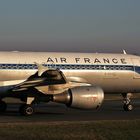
x: 136, y: 65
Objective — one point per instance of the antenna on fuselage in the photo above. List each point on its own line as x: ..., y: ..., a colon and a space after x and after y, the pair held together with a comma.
x: 124, y: 52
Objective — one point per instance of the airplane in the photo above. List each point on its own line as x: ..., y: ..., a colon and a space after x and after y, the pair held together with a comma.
x: 78, y: 80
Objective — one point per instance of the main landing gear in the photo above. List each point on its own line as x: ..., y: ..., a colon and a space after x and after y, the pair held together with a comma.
x: 127, y: 102
x: 27, y: 109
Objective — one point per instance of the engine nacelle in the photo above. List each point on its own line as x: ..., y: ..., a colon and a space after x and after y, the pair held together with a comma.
x: 86, y: 97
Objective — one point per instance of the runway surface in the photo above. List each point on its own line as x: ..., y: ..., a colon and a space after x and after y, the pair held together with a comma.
x: 52, y: 112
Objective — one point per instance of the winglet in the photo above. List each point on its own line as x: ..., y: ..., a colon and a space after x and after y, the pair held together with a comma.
x: 124, y: 52
x: 41, y: 69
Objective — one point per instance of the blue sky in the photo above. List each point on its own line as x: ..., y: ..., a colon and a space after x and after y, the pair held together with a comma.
x: 70, y: 25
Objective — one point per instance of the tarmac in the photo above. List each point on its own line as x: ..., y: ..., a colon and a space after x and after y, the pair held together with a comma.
x: 53, y: 112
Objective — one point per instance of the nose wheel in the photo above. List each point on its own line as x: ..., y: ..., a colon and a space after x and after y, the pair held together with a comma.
x: 128, y: 107
x: 127, y: 102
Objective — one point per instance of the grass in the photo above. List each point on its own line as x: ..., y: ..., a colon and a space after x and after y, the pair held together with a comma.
x: 97, y: 130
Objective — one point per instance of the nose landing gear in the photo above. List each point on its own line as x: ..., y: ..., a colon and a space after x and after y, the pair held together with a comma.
x: 127, y: 102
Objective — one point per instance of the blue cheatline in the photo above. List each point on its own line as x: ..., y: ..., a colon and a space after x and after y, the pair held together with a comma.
x: 70, y: 66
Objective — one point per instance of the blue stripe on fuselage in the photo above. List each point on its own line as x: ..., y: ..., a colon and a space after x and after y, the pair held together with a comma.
x: 69, y: 66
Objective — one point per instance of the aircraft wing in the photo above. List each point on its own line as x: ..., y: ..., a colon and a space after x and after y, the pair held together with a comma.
x: 50, y: 81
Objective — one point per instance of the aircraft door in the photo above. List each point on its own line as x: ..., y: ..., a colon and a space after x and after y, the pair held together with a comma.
x: 136, y: 65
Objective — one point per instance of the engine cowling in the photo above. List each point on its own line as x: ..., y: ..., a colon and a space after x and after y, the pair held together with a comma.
x: 88, y: 97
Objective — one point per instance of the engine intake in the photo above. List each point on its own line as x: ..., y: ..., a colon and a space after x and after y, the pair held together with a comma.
x: 81, y: 97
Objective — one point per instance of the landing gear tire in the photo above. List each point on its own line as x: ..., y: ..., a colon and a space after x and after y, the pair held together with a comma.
x: 127, y: 101
x: 128, y: 107
x: 26, y: 110
x: 3, y: 106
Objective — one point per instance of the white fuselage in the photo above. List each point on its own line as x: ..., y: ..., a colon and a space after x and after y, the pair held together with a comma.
x: 114, y: 73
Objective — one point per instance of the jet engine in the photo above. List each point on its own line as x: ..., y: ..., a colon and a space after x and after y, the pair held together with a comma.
x: 86, y: 97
